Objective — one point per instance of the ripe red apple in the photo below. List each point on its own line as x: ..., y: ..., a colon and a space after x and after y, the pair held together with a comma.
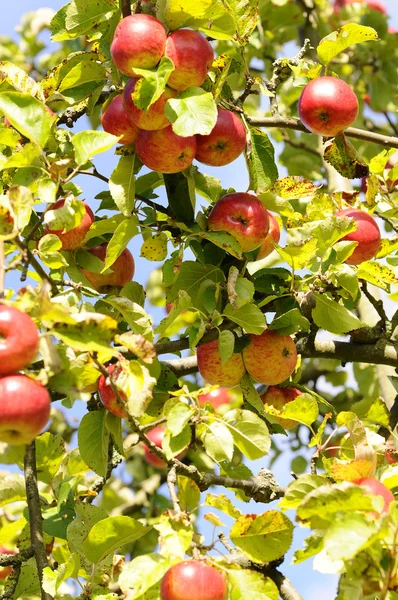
x: 243, y: 216
x: 367, y: 234
x: 139, y: 42
x: 216, y: 397
x: 225, y: 143
x: 25, y: 409
x: 192, y: 56
x: 5, y: 571
x: 373, y: 487
x: 193, y: 580
x: 115, y: 121
x: 226, y: 375
x: 274, y: 233
x: 164, y: 151
x: 19, y: 340
x: 108, y: 396
x: 73, y: 239
x: 156, y: 436
x: 277, y: 397
x: 270, y: 358
x: 327, y: 106
x: 151, y: 119
x: 122, y: 270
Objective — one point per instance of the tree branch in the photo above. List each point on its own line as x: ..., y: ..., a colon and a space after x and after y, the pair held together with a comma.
x: 35, y: 264
x: 35, y: 517
x: 125, y: 7
x: 352, y: 132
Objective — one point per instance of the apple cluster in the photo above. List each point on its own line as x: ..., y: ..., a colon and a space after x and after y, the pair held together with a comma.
x: 140, y: 41
x: 24, y: 403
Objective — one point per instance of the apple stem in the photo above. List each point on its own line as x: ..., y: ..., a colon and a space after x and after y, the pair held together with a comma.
x: 35, y: 516
x: 2, y: 269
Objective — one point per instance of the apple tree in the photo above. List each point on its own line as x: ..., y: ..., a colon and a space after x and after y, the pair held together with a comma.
x: 263, y: 322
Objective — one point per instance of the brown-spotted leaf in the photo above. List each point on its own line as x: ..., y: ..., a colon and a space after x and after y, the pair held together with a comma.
x: 294, y: 187
x: 341, y: 154
x: 263, y: 538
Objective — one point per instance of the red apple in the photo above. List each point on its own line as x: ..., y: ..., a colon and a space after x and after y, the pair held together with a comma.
x: 274, y: 234
x: 327, y: 106
x: 19, y: 340
x: 115, y: 121
x: 151, y: 119
x: 108, y: 396
x: 243, y: 216
x: 25, y: 409
x: 367, y: 234
x: 122, y: 270
x: 277, y: 397
x: 391, y: 452
x: 225, y: 143
x: 193, y: 580
x: 164, y: 151
x: 73, y: 239
x: 216, y: 397
x: 156, y: 436
x: 192, y: 56
x: 373, y: 487
x: 5, y: 571
x: 139, y: 42
x: 226, y: 375
x: 270, y: 358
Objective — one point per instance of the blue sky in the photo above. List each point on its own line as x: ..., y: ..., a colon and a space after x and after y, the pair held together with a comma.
x: 312, y: 585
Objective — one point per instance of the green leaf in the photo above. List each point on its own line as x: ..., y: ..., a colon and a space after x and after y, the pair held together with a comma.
x: 103, y: 226
x: 223, y: 240
x: 331, y: 230
x: 226, y: 344
x: 340, y: 546
x: 122, y: 185
x: 192, y: 112
x: 142, y: 573
x: 293, y: 187
x: 125, y: 231
x: 303, y: 409
x: 250, y: 585
x: 342, y: 155
x: 179, y: 416
x: 93, y: 439
x: 263, y: 538
x: 176, y: 13
x: 89, y: 143
x: 297, y: 490
x: 333, y: 317
x: 12, y: 488
x: 224, y: 504
x: 180, y: 305
x: 152, y: 83
x: 346, y: 36
x: 21, y: 200
x: 250, y: 433
x: 50, y: 450
x: 110, y: 534
x: 218, y: 442
x: 248, y: 316
x: 18, y: 78
x: 26, y: 157
x: 28, y: 581
x: 29, y: 116
x: 244, y: 16
x: 299, y: 255
x: 87, y: 515
x: 260, y: 156
x: 191, y: 275
x: 373, y: 410
x: 84, y: 15
x: 250, y: 394
x: 133, y: 313
x: 290, y: 322
x: 377, y: 274
x: 188, y: 493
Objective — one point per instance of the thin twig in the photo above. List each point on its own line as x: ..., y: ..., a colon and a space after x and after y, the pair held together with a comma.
x: 35, y: 516
x: 171, y: 484
x: 377, y: 304
x: 35, y: 264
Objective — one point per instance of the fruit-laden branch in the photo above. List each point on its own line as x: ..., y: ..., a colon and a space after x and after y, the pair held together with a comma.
x: 262, y: 488
x: 381, y: 353
x: 352, y: 132
x: 35, y: 516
